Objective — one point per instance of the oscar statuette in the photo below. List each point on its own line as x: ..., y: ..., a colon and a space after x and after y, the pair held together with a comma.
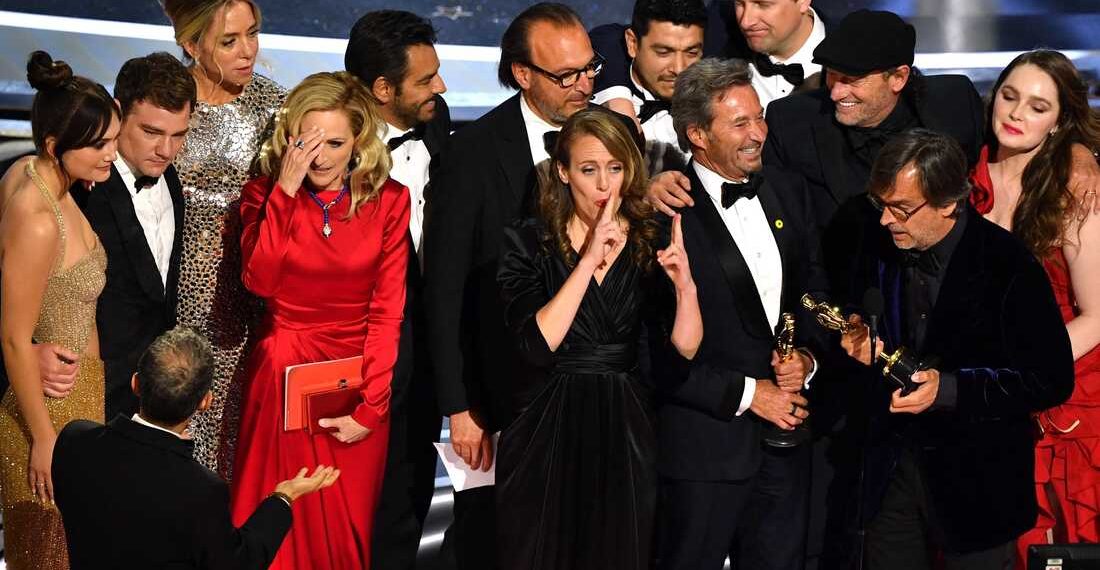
x: 784, y: 347
x: 826, y: 315
x: 900, y: 366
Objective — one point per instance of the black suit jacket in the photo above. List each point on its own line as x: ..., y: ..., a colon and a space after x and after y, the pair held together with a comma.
x: 485, y: 181
x: 700, y: 437
x: 132, y: 497
x: 413, y: 367
x: 997, y: 328
x: 135, y: 306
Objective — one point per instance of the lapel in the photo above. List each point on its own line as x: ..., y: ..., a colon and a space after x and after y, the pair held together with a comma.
x: 829, y: 143
x: 961, y: 282
x: 514, y: 152
x: 778, y: 218
x: 439, y: 128
x: 133, y: 236
x: 888, y: 279
x: 733, y: 265
x: 175, y: 190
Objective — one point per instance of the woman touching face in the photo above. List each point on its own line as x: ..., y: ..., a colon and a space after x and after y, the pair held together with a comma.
x: 1025, y: 109
x: 330, y: 167
x: 593, y: 175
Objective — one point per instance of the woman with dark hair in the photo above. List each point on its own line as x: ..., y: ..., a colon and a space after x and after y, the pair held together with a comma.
x: 52, y: 269
x: 233, y: 117
x: 1039, y: 112
x: 325, y: 245
x: 576, y: 479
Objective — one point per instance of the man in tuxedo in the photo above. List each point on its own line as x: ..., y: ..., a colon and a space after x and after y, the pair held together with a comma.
x: 132, y: 496
x: 486, y: 181
x: 752, y: 243
x: 777, y: 38
x: 138, y: 215
x: 392, y: 52
x: 951, y: 463
x: 664, y: 38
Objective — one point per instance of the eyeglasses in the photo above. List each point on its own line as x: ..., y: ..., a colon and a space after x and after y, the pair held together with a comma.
x: 570, y: 78
x: 898, y: 212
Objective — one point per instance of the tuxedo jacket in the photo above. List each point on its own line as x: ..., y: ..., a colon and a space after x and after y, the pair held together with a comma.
x: 131, y: 496
x: 996, y: 327
x: 135, y: 306
x: 485, y: 181
x: 700, y: 436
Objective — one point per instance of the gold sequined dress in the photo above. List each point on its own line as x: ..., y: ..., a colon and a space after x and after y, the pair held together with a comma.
x: 213, y: 166
x: 34, y: 537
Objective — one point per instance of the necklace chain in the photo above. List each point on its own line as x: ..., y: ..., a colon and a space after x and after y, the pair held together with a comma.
x: 326, y: 229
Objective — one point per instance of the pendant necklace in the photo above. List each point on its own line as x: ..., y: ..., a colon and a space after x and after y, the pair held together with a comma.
x: 326, y: 229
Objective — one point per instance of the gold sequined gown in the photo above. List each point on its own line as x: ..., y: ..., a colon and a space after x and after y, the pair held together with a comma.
x: 213, y: 166
x: 34, y: 538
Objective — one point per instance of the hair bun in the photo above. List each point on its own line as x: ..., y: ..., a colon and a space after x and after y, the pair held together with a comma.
x: 44, y: 73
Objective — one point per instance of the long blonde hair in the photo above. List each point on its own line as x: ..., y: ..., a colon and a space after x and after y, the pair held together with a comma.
x: 193, y: 18
x: 334, y: 91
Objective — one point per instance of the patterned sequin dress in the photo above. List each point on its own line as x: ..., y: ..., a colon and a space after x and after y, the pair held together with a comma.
x: 34, y: 537
x: 213, y: 166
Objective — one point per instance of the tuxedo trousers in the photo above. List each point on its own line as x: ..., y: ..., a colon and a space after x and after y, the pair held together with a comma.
x: 904, y: 534
x: 409, y: 479
x: 760, y: 523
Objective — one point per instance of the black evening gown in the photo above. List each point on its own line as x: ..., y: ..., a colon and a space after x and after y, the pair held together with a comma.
x: 576, y: 469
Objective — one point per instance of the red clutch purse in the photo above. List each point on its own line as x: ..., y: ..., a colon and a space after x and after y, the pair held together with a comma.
x: 321, y: 390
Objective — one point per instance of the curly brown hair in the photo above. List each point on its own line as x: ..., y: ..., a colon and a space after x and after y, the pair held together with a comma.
x: 1046, y: 204
x: 556, y: 206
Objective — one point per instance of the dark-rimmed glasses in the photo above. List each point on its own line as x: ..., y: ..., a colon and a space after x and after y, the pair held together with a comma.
x: 570, y: 78
x: 899, y: 213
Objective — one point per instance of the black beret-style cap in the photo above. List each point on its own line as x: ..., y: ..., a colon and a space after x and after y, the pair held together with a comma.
x: 867, y: 41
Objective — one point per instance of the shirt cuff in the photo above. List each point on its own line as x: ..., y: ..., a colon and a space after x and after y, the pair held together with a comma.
x: 746, y: 396
x: 614, y: 92
x: 813, y: 369
x: 947, y: 397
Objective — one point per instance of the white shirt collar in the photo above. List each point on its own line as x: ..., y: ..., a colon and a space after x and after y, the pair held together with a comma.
x: 805, y: 54
x: 140, y: 420
x: 391, y: 131
x: 532, y: 120
x: 712, y: 181
x: 646, y: 95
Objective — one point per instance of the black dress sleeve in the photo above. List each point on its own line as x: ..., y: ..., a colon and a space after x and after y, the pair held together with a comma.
x: 523, y: 289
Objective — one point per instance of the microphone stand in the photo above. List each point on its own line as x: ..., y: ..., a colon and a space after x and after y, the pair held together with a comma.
x: 868, y: 394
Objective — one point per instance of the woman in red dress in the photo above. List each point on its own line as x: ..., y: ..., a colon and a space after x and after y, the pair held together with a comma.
x: 1040, y: 117
x: 324, y: 244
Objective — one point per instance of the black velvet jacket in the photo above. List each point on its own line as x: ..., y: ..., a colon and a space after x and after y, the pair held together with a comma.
x: 996, y: 328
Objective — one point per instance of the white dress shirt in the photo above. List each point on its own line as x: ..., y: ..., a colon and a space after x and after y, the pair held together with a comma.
x: 140, y: 420
x: 536, y: 127
x: 663, y: 150
x: 748, y: 225
x: 410, y: 167
x: 771, y: 88
x: 153, y: 206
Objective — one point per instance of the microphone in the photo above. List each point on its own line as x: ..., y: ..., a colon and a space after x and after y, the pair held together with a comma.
x: 873, y: 307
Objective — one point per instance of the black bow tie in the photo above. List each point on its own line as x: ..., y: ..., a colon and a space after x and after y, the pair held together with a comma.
x: 792, y: 72
x: 413, y: 135
x: 734, y: 191
x: 143, y: 182
x: 650, y: 108
x: 550, y: 140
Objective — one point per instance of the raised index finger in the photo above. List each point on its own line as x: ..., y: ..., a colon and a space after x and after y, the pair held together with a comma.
x: 609, y: 208
x: 677, y: 230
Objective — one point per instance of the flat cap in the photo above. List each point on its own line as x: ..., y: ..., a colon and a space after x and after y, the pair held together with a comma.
x: 867, y: 41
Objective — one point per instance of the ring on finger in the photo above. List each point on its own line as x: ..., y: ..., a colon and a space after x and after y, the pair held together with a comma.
x: 300, y: 144
x: 794, y: 408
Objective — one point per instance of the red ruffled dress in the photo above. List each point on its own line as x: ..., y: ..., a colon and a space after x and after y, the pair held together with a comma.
x: 326, y: 298
x: 1067, y: 453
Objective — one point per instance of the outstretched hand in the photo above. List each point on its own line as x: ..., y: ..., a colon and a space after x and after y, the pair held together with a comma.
x: 674, y: 259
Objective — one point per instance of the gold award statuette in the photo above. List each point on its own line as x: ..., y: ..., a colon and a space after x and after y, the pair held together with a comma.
x: 899, y: 367
x: 784, y: 341
x: 827, y: 316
